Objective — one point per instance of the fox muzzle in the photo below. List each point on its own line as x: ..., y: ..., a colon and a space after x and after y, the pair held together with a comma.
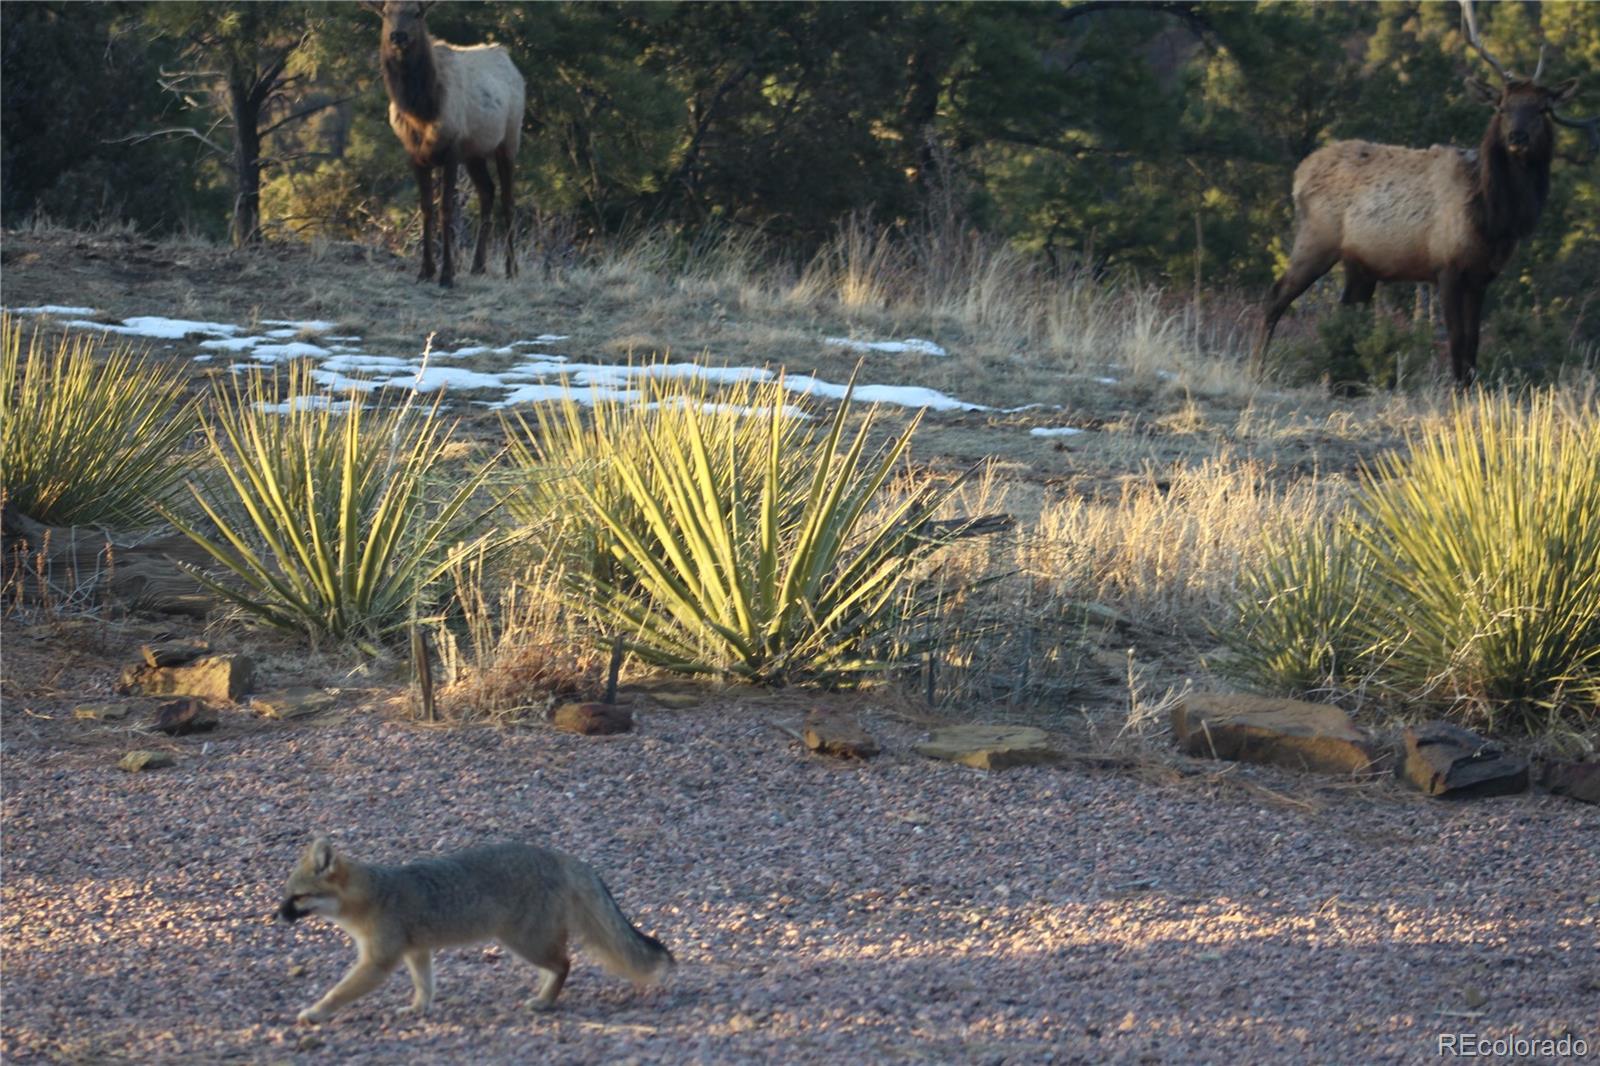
x: 291, y: 911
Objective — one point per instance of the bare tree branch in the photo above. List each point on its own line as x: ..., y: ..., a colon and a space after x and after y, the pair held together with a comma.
x: 176, y: 131
x: 305, y: 112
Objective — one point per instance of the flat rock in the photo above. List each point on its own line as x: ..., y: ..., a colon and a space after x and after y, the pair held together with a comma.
x: 1277, y: 732
x: 989, y: 747
x: 110, y: 710
x: 216, y: 678
x: 832, y: 733
x: 137, y: 761
x: 1577, y: 780
x: 174, y: 652
x: 1442, y: 759
x: 592, y: 719
x: 297, y: 702
x: 179, y: 718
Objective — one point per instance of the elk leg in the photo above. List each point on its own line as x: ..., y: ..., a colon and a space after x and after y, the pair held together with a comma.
x: 447, y: 223
x: 1471, y: 318
x: 502, y: 165
x: 1359, y: 284
x: 1452, y: 298
x: 1297, y: 279
x: 478, y: 171
x: 425, y: 188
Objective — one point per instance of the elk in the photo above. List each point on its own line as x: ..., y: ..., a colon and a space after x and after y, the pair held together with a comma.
x: 1442, y: 214
x: 451, y: 104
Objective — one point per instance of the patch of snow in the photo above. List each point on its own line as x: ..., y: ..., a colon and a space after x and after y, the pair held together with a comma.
x: 543, y: 338
x: 551, y: 393
x: 304, y: 403
x: 203, y: 358
x: 1106, y: 381
x: 1055, y: 431
x: 471, y: 350
x: 910, y: 344
x: 447, y: 377
x: 339, y: 383
x: 292, y: 350
x: 358, y: 362
x: 342, y: 337
x: 158, y: 326
x: 897, y: 395
x: 233, y: 344
x: 51, y: 309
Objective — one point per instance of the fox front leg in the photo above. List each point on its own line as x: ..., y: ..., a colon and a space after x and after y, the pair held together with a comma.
x: 420, y: 963
x: 363, y: 977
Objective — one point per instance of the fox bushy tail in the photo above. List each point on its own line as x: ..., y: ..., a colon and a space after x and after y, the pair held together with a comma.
x: 606, y: 931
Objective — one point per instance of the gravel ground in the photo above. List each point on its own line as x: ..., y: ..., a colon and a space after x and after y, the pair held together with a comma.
x: 899, y: 911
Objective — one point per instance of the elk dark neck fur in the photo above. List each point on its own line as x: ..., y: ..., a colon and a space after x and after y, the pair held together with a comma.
x: 412, y: 78
x: 1510, y: 192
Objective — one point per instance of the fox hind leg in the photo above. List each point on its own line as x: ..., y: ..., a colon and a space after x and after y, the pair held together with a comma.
x: 552, y: 962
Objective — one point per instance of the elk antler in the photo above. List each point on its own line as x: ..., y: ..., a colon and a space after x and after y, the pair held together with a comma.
x: 1539, y: 69
x: 1591, y: 126
x: 1477, y: 42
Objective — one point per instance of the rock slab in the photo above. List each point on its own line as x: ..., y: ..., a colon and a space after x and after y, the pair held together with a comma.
x: 297, y: 702
x: 1576, y: 780
x: 592, y: 719
x: 138, y: 761
x: 174, y: 652
x: 1277, y: 732
x: 1443, y: 759
x: 990, y: 747
x: 216, y: 678
x: 836, y: 734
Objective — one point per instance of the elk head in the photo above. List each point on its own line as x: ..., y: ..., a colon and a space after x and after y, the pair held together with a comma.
x: 403, y: 22
x: 1524, y: 108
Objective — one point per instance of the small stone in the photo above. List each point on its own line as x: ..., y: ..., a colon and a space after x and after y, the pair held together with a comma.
x: 1576, y: 780
x: 592, y: 719
x: 1442, y: 759
x: 174, y: 652
x: 1301, y: 736
x: 108, y: 710
x: 297, y: 971
x: 832, y: 733
x: 137, y: 761
x: 1474, y: 998
x: 989, y: 747
x: 178, y: 718
x: 297, y: 702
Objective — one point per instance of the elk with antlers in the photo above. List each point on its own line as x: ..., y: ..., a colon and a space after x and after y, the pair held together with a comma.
x: 1440, y: 214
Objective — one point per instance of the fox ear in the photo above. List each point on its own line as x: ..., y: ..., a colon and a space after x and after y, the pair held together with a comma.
x: 321, y: 855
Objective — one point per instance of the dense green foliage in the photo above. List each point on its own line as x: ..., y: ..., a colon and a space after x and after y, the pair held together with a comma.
x: 88, y: 437
x: 1467, y: 577
x: 1158, y: 136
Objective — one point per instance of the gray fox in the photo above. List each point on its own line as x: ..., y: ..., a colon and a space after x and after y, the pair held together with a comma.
x: 528, y: 898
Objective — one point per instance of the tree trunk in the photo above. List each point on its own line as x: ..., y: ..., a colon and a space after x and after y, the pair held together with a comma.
x: 247, y: 163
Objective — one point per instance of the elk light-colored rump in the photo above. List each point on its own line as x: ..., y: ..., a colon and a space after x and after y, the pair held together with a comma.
x: 1396, y: 212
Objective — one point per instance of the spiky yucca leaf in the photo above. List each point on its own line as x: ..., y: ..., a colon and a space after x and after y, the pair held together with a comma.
x: 332, y: 519
x: 87, y: 441
x: 1300, y: 624
x: 1486, y: 543
x: 743, y: 540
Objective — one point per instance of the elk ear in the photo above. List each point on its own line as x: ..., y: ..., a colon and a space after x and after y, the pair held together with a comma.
x: 370, y: 5
x: 1483, y: 91
x: 422, y: 8
x: 1562, y: 92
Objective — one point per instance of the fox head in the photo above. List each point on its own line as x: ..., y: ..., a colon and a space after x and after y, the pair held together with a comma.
x: 315, y: 885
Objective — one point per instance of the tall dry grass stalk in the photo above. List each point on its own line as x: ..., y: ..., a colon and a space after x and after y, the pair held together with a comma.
x: 1170, y: 549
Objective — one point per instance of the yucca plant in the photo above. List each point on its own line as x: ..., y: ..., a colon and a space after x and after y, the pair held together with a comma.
x: 1299, y: 625
x: 1485, y: 539
x: 88, y: 438
x: 334, y: 520
x: 747, y: 541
